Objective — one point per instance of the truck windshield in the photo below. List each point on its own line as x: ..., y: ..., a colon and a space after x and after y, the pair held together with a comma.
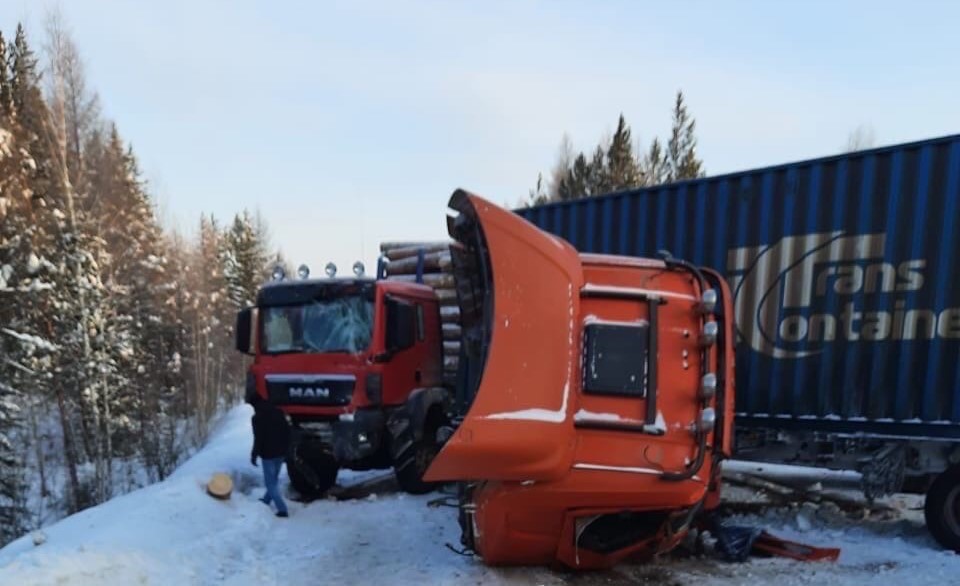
x: 340, y: 324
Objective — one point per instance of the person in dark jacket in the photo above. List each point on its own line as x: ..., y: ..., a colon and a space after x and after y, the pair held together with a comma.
x: 271, y: 438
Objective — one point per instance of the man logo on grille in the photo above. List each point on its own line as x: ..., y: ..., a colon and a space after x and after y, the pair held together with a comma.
x: 309, y: 393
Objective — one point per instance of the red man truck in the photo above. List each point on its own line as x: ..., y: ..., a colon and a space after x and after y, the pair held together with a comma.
x: 356, y: 365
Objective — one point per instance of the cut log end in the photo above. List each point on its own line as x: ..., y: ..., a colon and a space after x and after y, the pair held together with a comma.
x: 220, y: 486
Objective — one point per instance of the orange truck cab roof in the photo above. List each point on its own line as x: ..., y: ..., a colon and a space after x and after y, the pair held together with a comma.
x: 597, y: 399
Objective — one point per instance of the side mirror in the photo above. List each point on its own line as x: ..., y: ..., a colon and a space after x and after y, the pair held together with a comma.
x: 244, y: 330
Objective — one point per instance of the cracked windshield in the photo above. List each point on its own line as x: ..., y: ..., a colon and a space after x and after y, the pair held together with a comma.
x: 343, y: 324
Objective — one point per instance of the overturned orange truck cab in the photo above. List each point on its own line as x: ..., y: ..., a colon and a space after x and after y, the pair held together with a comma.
x: 595, y: 395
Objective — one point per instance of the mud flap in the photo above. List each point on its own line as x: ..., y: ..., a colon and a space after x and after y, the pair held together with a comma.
x: 518, y: 424
x: 735, y: 544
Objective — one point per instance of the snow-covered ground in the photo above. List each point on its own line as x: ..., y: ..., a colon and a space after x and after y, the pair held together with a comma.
x: 173, y: 533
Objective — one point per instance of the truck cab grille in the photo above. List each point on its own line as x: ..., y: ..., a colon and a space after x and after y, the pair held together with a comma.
x: 320, y: 389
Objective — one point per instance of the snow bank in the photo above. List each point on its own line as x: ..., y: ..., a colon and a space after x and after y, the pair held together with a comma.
x: 172, y: 533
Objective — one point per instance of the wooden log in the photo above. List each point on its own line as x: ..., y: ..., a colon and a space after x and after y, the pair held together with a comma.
x: 451, y: 348
x: 379, y: 484
x: 412, y: 251
x: 220, y: 486
x: 435, y: 280
x: 408, y: 266
x: 788, y: 493
x: 447, y: 296
x: 445, y: 293
x: 450, y: 363
x: 451, y: 332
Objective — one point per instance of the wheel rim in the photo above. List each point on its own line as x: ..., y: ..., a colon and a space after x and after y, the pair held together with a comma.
x: 951, y: 510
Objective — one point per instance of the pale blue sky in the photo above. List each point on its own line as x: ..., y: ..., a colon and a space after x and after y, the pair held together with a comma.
x: 349, y: 123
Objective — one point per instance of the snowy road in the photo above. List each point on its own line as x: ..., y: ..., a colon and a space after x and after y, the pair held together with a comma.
x: 172, y: 533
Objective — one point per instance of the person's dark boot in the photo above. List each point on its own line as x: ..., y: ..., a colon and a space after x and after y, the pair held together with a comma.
x: 282, y: 514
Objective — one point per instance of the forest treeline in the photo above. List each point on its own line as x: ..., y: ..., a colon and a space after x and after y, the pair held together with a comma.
x: 116, y: 348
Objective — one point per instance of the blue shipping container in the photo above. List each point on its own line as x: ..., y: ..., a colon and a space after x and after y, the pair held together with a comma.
x: 846, y: 274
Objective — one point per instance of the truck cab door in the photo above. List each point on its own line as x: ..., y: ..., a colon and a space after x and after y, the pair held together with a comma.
x: 400, y: 338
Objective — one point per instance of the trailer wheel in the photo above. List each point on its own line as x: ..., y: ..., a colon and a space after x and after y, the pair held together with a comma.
x: 942, y: 509
x: 415, y: 456
x: 312, y: 472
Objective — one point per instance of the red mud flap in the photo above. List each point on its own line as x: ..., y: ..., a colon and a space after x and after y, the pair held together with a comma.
x: 772, y: 545
x: 735, y: 544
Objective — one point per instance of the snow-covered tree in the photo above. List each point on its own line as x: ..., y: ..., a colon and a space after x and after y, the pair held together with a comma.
x: 12, y: 513
x: 244, y: 260
x: 12, y: 487
x: 112, y: 331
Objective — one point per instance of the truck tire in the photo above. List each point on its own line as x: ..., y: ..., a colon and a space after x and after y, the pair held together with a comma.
x: 942, y: 509
x: 320, y: 475
x: 413, y: 456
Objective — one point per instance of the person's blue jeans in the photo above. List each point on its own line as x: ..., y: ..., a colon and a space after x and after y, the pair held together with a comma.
x: 271, y: 478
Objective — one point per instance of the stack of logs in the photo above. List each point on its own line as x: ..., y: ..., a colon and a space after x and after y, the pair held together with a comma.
x: 403, y: 259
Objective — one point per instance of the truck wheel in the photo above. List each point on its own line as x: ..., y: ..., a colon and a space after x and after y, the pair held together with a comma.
x: 942, y: 509
x: 414, y: 456
x: 312, y: 472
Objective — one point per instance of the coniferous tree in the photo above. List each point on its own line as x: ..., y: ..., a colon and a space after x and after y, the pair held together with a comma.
x: 622, y: 169
x: 36, y: 267
x: 12, y: 487
x: 245, y: 260
x: 653, y: 166
x: 614, y: 166
x: 538, y: 195
x: 209, y: 319
x: 598, y: 181
x: 682, y: 161
x: 574, y: 185
x: 6, y: 95
x: 116, y: 333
